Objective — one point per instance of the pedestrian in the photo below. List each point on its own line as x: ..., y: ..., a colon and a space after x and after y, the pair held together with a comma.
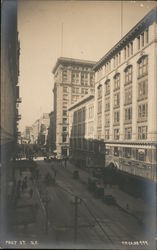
x: 23, y: 186
x: 31, y: 192
x: 55, y: 173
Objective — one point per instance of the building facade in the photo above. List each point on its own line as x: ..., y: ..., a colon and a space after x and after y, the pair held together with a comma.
x: 125, y: 100
x: 84, y: 151
x: 10, y: 52
x: 73, y: 78
x: 51, y: 137
x: 39, y: 131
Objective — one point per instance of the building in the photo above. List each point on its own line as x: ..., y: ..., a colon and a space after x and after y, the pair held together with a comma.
x: 10, y: 52
x: 125, y: 100
x: 84, y: 151
x: 73, y: 78
x: 51, y: 137
x: 39, y: 130
x: 44, y: 123
x: 36, y: 129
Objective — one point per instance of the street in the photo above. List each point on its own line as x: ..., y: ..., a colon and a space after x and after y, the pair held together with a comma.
x: 90, y: 223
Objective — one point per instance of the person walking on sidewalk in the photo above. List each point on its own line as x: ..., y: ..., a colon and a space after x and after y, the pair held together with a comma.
x: 31, y: 193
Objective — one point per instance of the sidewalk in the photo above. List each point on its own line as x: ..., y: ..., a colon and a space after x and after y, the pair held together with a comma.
x: 26, y: 218
x: 136, y: 207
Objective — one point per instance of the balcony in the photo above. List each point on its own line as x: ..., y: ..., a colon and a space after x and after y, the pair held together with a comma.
x: 19, y: 100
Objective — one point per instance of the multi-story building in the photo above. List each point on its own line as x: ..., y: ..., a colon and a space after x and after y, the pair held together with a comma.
x: 125, y: 100
x: 84, y: 151
x: 73, y: 78
x: 10, y: 51
x: 51, y: 137
x: 40, y: 130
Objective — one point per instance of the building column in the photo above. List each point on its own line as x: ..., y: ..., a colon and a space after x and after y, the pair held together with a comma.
x: 152, y: 94
x: 111, y: 108
x: 121, y: 129
x: 134, y: 102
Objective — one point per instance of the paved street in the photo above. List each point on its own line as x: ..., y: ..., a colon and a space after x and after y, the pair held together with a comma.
x: 99, y: 225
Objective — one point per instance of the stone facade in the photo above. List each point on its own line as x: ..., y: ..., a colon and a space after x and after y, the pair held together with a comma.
x: 73, y: 78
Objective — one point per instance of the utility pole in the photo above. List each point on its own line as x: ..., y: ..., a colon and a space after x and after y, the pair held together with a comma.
x: 77, y: 201
x: 46, y: 201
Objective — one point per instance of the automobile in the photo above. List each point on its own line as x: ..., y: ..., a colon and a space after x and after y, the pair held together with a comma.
x: 109, y: 200
x: 47, y: 159
x: 98, y: 172
x: 75, y: 174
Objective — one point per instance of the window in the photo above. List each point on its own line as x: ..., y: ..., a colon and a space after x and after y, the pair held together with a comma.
x: 142, y: 111
x: 75, y: 77
x: 107, y: 104
x: 117, y: 81
x: 142, y: 89
x: 128, y: 114
x: 99, y: 91
x: 107, y: 87
x: 142, y: 132
x: 128, y: 133
x: 65, y: 120
x: 99, y: 121
x: 116, y: 117
x: 91, y: 79
x: 64, y: 137
x: 65, y: 97
x: 65, y: 89
x: 143, y: 66
x: 84, y: 91
x: 91, y: 112
x: 128, y: 50
x: 117, y: 99
x: 107, y: 134
x: 64, y: 75
x: 84, y: 79
x: 90, y: 128
x: 128, y: 74
x: 146, y: 36
x: 128, y: 96
x: 127, y: 152
x: 64, y: 129
x: 64, y: 113
x: 138, y: 42
x: 142, y: 39
x: 116, y: 134
x: 107, y: 120
x: 83, y: 114
x: 99, y: 106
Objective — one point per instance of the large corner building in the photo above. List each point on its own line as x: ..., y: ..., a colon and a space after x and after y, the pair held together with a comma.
x: 73, y: 78
x: 126, y: 100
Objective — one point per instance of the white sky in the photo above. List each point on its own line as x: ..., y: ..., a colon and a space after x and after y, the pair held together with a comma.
x: 90, y: 29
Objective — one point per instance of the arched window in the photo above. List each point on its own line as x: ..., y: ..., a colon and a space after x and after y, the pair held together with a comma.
x: 128, y: 74
x: 117, y: 81
x: 107, y: 87
x: 142, y: 66
x: 99, y: 91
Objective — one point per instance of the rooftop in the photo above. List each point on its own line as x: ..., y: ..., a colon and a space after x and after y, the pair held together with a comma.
x: 72, y: 61
x: 84, y: 99
x: 139, y: 27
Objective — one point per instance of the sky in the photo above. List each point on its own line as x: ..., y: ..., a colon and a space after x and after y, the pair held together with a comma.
x: 90, y: 29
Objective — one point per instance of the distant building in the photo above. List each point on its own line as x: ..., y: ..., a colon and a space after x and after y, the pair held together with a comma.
x: 39, y: 130
x: 73, y: 78
x: 126, y: 100
x: 51, y: 137
x: 84, y: 151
